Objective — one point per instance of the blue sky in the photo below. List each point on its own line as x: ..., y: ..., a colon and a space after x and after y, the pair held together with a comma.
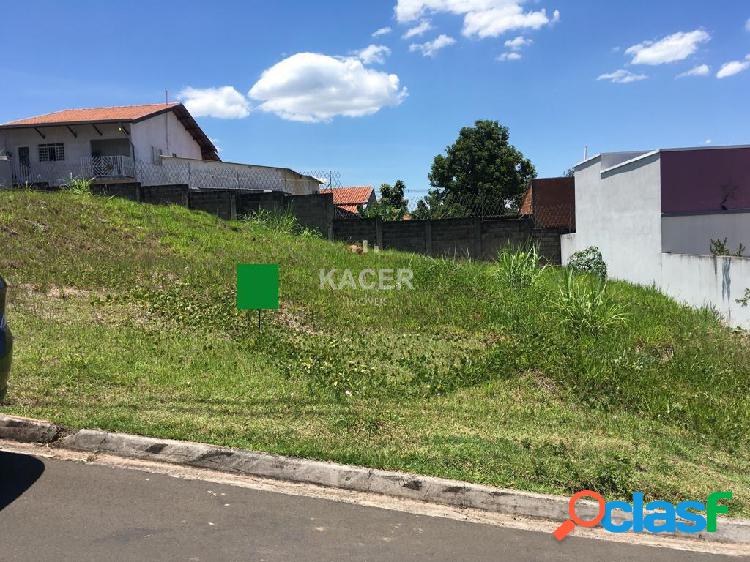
x: 602, y: 74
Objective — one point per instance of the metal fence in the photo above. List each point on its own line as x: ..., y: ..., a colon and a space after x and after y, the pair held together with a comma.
x: 560, y: 216
x: 211, y: 175
x: 193, y: 173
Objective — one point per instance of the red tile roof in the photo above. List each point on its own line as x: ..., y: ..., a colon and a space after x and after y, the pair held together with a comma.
x: 95, y: 115
x: 350, y: 196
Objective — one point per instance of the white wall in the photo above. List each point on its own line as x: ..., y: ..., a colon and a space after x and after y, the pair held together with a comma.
x: 620, y: 213
x: 692, y: 234
x: 709, y: 281
x: 76, y: 148
x: 165, y: 132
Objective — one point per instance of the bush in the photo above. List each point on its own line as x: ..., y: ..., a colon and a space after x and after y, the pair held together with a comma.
x: 79, y: 186
x: 280, y: 221
x: 519, y: 269
x: 589, y: 261
x: 586, y: 308
x: 720, y: 247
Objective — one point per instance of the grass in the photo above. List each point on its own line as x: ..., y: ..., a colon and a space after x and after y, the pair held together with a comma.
x: 124, y: 320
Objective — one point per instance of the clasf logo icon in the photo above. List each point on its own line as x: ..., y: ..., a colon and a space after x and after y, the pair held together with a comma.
x: 654, y: 517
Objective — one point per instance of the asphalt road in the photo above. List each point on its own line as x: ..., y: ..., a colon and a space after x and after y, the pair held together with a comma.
x: 64, y: 510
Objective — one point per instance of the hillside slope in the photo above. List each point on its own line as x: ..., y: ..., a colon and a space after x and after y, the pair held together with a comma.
x: 124, y: 319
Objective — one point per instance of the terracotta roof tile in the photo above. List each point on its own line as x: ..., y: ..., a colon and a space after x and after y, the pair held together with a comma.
x: 95, y: 114
x: 350, y: 195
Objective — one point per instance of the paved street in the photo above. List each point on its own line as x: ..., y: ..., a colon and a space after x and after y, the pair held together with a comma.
x: 63, y: 510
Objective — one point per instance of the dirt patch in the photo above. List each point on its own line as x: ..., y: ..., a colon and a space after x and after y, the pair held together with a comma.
x: 295, y: 320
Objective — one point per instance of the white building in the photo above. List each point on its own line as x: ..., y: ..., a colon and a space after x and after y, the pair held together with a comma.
x: 152, y: 144
x: 654, y: 214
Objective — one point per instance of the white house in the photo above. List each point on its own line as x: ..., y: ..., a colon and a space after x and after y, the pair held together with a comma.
x: 654, y: 214
x: 152, y: 144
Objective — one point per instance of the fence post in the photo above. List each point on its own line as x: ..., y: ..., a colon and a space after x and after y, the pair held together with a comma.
x: 478, y: 238
x: 428, y: 237
x: 233, y: 206
x: 379, y: 233
x: 139, y: 193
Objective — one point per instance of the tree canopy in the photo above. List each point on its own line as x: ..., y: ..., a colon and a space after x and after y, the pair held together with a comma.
x: 480, y: 174
x: 391, y: 206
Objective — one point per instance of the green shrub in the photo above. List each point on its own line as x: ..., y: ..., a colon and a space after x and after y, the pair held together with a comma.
x: 79, y: 186
x: 589, y: 261
x: 280, y: 221
x: 585, y: 307
x: 519, y: 268
x: 744, y: 300
x: 720, y: 247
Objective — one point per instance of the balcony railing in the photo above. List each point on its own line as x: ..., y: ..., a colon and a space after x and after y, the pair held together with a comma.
x: 60, y: 172
x: 108, y: 167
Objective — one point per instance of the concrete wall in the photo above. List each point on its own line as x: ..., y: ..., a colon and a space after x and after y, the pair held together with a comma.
x: 620, y: 212
x: 469, y: 237
x: 219, y: 203
x: 705, y: 179
x: 204, y: 174
x: 129, y: 191
x: 692, y: 234
x: 165, y: 194
x: 709, y: 281
x: 163, y: 132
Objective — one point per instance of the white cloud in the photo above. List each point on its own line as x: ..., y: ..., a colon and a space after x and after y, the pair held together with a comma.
x: 495, y: 22
x: 747, y: 24
x: 512, y: 55
x: 709, y: 141
x: 700, y: 70
x: 622, y: 76
x: 482, y: 18
x: 223, y: 103
x: 382, y: 31
x: 675, y: 47
x: 313, y: 87
x: 431, y: 48
x: 518, y: 43
x: 374, y: 54
x: 733, y: 67
x: 420, y: 29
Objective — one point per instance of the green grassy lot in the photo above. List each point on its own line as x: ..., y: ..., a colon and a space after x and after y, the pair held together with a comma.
x: 124, y: 320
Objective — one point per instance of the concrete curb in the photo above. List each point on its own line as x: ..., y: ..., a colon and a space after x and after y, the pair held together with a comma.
x: 28, y: 430
x: 394, y: 484
x: 347, y: 477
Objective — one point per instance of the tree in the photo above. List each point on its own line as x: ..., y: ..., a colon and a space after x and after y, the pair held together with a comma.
x: 480, y: 174
x: 392, y: 206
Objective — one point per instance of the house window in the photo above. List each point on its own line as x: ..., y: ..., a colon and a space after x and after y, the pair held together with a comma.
x: 51, y: 152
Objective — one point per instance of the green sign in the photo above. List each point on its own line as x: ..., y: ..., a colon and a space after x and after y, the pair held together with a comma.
x: 257, y: 286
